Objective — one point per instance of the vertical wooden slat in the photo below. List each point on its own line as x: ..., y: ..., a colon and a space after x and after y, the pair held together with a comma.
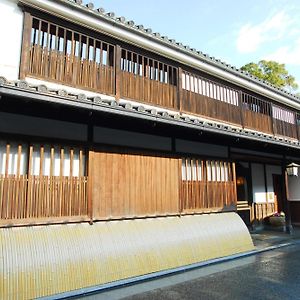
x: 91, y: 162
x: 6, y: 202
x: 61, y: 185
x: 118, y: 78
x: 7, y: 159
x: 29, y: 189
x: 234, y: 183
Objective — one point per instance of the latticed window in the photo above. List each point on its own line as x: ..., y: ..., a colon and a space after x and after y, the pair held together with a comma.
x: 203, y: 86
x: 41, y: 181
x: 61, y: 54
x: 207, y: 185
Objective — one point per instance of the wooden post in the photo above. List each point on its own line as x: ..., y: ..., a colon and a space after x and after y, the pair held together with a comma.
x: 234, y: 182
x: 118, y: 72
x: 285, y: 202
x: 272, y: 118
x: 179, y: 89
x: 296, y: 126
x: 90, y: 185
x: 24, y: 63
x: 241, y: 108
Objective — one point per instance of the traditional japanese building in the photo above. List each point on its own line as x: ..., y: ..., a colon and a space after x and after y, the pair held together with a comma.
x: 125, y: 154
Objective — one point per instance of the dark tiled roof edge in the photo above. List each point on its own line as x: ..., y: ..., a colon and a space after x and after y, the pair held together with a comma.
x: 159, y: 114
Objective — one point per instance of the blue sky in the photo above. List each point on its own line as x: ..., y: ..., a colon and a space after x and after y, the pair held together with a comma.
x: 235, y: 31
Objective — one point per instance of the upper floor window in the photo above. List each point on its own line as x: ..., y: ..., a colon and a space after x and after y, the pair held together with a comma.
x: 61, y: 54
x: 282, y: 114
x: 255, y: 104
x: 144, y: 66
x: 208, y: 88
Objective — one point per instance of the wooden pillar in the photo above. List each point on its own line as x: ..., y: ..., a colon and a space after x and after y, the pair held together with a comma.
x: 118, y: 72
x: 179, y: 89
x: 90, y: 186
x: 234, y: 183
x: 272, y: 120
x: 89, y: 166
x: 240, y: 95
x: 285, y: 202
x: 24, y: 63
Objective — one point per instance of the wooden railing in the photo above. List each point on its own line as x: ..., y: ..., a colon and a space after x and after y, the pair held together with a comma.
x: 69, y: 69
x: 209, y: 107
x: 263, y: 210
x: 42, y: 197
x: 80, y: 59
x: 257, y: 121
x: 147, y: 90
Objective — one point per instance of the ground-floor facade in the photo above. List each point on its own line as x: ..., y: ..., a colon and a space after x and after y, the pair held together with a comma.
x: 131, y: 190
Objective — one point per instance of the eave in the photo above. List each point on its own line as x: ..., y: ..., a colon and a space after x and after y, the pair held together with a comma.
x: 22, y: 90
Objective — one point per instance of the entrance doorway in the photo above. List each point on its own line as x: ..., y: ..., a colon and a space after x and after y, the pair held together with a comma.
x: 244, y: 195
x: 278, y: 191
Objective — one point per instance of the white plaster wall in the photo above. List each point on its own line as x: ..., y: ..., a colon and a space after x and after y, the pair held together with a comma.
x: 294, y: 188
x: 11, y: 27
x: 258, y: 183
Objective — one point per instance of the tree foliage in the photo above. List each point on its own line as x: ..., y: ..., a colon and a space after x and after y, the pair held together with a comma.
x: 272, y: 72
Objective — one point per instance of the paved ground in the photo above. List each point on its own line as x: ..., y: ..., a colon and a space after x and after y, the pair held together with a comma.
x: 268, y: 275
x: 273, y: 275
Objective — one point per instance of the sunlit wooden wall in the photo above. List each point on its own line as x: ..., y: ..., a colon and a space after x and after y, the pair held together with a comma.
x: 128, y: 185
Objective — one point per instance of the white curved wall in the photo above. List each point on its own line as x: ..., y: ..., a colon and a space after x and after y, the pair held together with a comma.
x: 11, y: 27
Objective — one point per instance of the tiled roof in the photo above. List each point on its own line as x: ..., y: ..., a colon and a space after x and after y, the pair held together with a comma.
x: 21, y: 88
x: 130, y: 25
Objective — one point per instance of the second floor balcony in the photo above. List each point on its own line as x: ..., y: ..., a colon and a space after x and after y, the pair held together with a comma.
x: 67, y: 55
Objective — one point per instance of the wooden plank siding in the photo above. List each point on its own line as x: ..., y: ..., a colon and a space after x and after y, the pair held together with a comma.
x: 285, y: 122
x: 257, y: 113
x: 131, y: 185
x: 49, y: 188
x: 67, y: 56
x: 209, y: 99
x: 148, y: 80
x: 128, y: 185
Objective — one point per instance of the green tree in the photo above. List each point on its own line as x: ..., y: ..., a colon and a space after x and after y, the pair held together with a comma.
x: 272, y: 72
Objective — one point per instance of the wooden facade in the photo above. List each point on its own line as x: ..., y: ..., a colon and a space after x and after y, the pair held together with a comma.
x: 119, y: 185
x: 65, y: 55
x: 127, y: 184
x: 27, y: 194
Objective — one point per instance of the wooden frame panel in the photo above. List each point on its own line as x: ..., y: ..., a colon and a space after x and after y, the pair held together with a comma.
x: 148, y: 80
x: 131, y: 185
x: 67, y: 56
x: 28, y: 198
x: 207, y: 186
